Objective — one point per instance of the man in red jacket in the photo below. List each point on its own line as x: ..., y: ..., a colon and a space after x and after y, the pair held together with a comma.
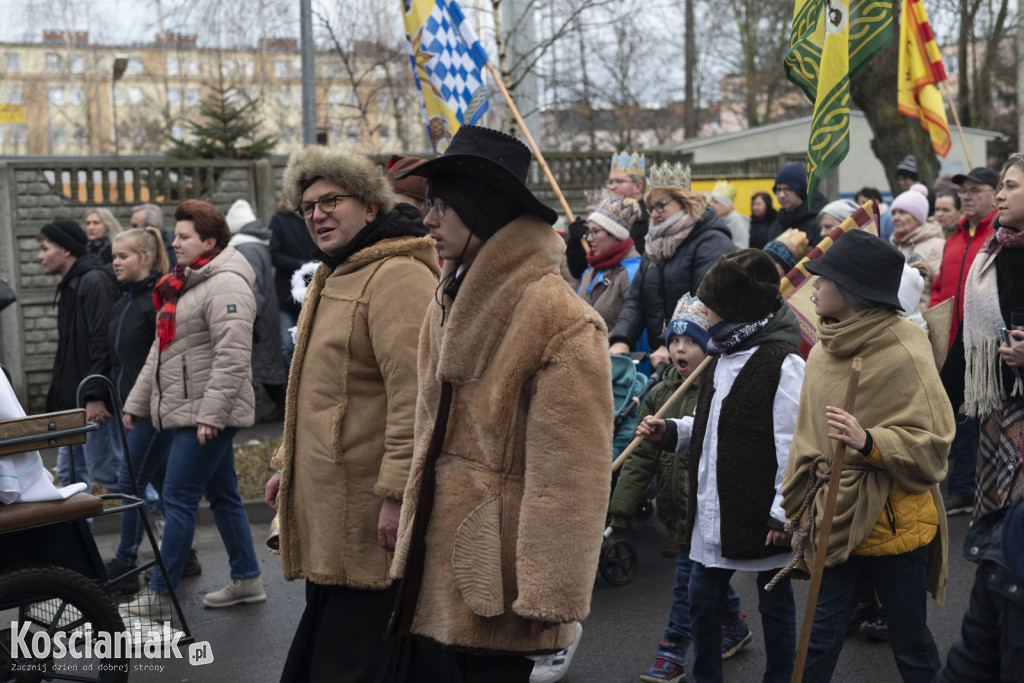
x: 978, y: 204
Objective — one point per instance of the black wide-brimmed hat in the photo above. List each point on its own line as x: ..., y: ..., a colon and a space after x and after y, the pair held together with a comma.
x: 864, y: 264
x: 492, y: 157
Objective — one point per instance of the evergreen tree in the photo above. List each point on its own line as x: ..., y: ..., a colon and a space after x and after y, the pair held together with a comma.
x: 226, y: 129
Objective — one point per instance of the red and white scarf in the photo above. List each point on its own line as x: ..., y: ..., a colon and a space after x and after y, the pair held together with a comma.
x: 167, y: 290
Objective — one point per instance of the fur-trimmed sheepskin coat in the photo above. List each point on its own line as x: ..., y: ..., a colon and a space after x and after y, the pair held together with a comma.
x: 348, y: 431
x: 523, y: 473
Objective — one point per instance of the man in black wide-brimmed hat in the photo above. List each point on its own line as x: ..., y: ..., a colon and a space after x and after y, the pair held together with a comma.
x: 504, y: 510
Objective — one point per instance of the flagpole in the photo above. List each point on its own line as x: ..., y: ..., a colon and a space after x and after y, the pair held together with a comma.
x: 529, y: 140
x: 959, y: 128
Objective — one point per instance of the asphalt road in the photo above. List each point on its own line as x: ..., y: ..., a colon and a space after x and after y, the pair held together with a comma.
x: 249, y: 642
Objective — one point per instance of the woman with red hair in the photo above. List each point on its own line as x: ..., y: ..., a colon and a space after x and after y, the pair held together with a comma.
x: 197, y: 383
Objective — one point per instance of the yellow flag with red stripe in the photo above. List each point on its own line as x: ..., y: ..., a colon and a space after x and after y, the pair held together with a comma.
x: 920, y: 69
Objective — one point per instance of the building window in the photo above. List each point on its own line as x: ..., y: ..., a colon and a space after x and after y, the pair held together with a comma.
x: 192, y: 97
x: 14, y: 95
x: 280, y: 68
x: 248, y: 68
x: 382, y: 100
x: 284, y: 98
x: 333, y: 70
x: 76, y: 96
x: 351, y: 99
x: 337, y: 132
x: 952, y: 63
x: 285, y: 133
x: 134, y: 66
x: 171, y: 65
x: 52, y: 63
x: 77, y: 65
x: 174, y: 97
x: 385, y: 133
x: 334, y: 98
x: 1, y: 133
x: 79, y: 135
x: 353, y: 133
x: 58, y: 134
x: 135, y: 97
x: 380, y: 72
x: 55, y: 96
x: 191, y: 66
x: 399, y: 101
x: 177, y: 132
x: 17, y: 133
x: 12, y: 62
x: 117, y: 97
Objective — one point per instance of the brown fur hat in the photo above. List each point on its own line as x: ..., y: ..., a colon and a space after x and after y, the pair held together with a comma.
x: 741, y: 287
x: 355, y: 173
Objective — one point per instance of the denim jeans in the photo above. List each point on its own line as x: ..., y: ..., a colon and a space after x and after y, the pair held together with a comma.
x: 678, y: 630
x: 98, y: 460
x: 708, y: 587
x: 192, y: 471
x: 900, y: 582
x: 148, y: 450
x: 287, y: 321
x: 964, y: 453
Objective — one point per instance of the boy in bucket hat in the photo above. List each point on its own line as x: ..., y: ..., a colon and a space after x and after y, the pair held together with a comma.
x: 505, y: 506
x: 889, y: 528
x: 739, y: 441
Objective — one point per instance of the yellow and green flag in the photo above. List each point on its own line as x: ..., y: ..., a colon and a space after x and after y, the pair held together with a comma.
x: 831, y: 40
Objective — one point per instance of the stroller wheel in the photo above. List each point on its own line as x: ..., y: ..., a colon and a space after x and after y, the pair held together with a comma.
x: 619, y: 561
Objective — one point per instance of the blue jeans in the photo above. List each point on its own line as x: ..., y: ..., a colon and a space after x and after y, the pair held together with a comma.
x: 964, y: 453
x: 708, y: 588
x: 900, y: 582
x: 678, y: 629
x: 147, y: 448
x: 98, y: 460
x: 192, y: 471
x: 287, y: 321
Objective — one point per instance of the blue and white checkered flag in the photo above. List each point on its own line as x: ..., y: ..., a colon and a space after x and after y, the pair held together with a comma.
x: 448, y: 61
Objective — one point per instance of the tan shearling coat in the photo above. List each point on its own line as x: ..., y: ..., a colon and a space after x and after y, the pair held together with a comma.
x: 205, y: 373
x: 524, y: 471
x: 350, y: 410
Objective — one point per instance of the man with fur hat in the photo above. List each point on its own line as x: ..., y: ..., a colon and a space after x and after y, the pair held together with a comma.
x: 505, y: 507
x: 889, y: 528
x: 721, y: 200
x: 348, y: 433
x: 85, y: 295
x: 739, y: 442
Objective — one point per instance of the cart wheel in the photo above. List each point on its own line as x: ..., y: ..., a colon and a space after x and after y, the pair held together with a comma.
x: 53, y: 599
x: 619, y: 561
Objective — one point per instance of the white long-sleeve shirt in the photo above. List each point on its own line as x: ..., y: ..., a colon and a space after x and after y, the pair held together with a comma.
x: 706, y: 536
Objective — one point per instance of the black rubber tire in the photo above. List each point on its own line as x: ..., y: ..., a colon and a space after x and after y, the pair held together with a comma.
x: 618, y: 563
x: 26, y: 586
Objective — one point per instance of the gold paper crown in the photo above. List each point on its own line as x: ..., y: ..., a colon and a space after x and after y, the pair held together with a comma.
x: 634, y: 163
x: 726, y: 189
x: 666, y: 174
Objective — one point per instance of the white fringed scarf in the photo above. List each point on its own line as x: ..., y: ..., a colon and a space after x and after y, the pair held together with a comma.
x: 983, y: 386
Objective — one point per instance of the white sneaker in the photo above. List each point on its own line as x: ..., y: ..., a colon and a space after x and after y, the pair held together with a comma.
x: 236, y: 592
x: 150, y: 605
x: 554, y: 667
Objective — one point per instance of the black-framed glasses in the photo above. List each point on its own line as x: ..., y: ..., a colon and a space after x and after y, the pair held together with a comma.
x: 973, y: 191
x: 436, y: 203
x: 327, y: 204
x: 594, y: 232
x: 658, y: 207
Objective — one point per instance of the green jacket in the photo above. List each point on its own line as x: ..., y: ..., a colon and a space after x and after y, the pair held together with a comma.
x: 647, y: 461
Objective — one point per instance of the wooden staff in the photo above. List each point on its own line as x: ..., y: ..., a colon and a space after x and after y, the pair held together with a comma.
x: 959, y: 128
x: 678, y: 394
x: 533, y: 145
x: 826, y: 529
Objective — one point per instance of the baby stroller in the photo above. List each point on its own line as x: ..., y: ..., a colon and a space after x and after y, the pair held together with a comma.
x: 52, y: 579
x: 619, y: 558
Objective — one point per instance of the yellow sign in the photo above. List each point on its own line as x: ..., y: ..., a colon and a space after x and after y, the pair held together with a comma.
x: 745, y: 189
x: 12, y: 113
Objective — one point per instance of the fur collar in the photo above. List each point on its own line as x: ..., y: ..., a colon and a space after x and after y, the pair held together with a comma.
x: 385, y: 248
x: 518, y: 258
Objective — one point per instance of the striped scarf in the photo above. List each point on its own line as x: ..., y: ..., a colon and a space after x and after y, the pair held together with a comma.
x: 167, y: 290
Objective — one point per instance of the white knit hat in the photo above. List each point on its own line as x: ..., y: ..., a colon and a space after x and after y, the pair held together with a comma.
x: 616, y: 215
x: 239, y: 215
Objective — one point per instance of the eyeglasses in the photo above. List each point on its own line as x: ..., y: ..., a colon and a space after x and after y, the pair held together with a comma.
x: 973, y: 191
x: 658, y: 207
x: 781, y: 189
x: 436, y: 203
x: 327, y: 204
x: 594, y: 232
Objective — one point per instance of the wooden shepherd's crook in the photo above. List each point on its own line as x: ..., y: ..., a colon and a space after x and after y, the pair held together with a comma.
x: 678, y: 394
x: 826, y: 529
